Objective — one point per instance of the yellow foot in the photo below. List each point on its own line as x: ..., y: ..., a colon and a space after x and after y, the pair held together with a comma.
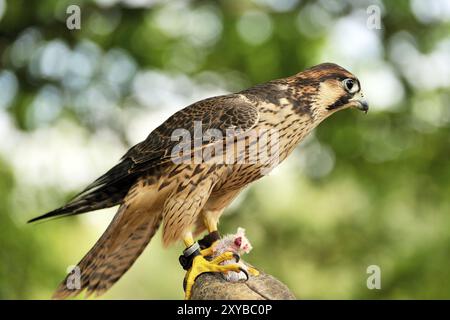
x: 253, y: 271
x: 226, y: 256
x: 201, y: 265
x: 209, y: 251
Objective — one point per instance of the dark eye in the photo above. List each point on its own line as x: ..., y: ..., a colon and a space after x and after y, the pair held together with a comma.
x: 350, y: 85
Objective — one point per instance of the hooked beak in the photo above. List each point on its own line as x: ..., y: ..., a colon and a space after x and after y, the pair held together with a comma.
x: 359, y: 102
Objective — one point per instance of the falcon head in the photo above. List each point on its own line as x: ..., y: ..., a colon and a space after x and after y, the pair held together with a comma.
x: 327, y: 88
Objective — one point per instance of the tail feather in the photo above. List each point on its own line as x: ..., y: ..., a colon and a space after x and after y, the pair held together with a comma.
x: 135, y: 223
x: 116, y: 174
x: 107, y: 191
x: 105, y: 197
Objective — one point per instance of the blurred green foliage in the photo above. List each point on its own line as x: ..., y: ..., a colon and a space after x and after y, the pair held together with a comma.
x: 363, y: 190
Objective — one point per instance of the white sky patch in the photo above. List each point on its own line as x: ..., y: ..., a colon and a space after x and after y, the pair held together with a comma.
x: 155, y: 89
x: 46, y: 105
x: 9, y: 86
x: 118, y: 66
x: 350, y: 42
x: 82, y: 65
x: 64, y: 156
x: 381, y: 87
x: 424, y: 71
x: 25, y: 45
x: 314, y: 20
x: 255, y: 27
x: 97, y: 105
x: 317, y: 160
x: 201, y: 26
x: 54, y: 59
x: 430, y: 11
x: 8, y: 130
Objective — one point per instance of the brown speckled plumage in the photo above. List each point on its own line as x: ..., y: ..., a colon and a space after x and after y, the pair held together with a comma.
x: 151, y: 189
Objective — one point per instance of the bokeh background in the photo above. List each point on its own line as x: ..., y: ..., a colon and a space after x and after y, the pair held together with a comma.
x: 361, y: 190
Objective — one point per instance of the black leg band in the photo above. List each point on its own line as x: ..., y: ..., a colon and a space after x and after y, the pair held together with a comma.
x: 209, y: 239
x: 188, y: 256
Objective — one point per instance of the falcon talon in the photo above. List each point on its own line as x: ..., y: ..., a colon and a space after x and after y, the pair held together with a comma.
x: 207, y: 252
x: 234, y: 245
x: 200, y: 265
x: 245, y: 272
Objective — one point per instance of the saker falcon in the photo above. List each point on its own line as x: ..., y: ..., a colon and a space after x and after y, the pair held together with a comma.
x: 188, y: 193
